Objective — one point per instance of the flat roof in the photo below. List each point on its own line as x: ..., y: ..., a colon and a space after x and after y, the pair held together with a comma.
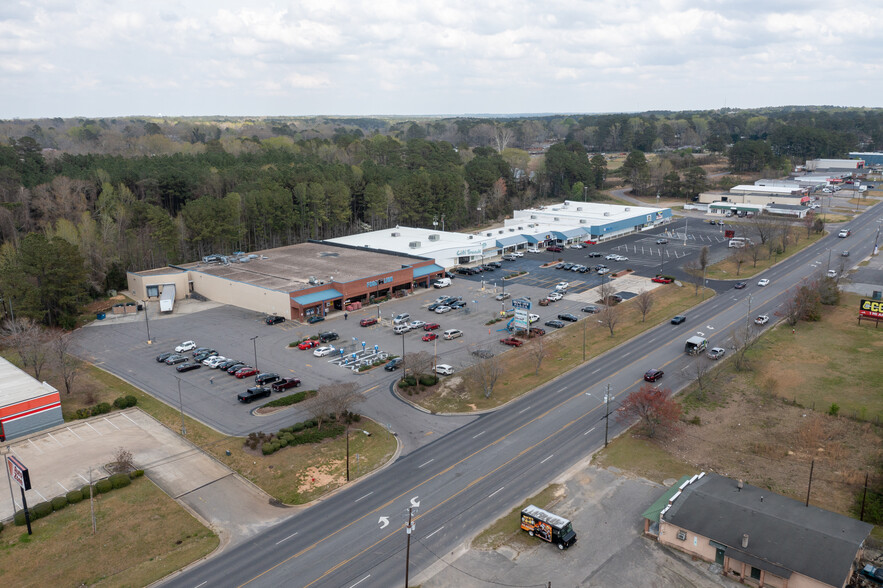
x: 17, y: 386
x: 597, y: 212
x: 402, y: 239
x: 763, y: 189
x: 288, y: 269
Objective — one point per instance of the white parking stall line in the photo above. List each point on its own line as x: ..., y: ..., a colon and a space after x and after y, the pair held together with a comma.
x: 427, y: 463
x: 62, y: 486
x: 434, y: 532
x: 548, y: 458
x: 38, y: 494
x: 111, y: 424
x: 589, y: 431
x: 495, y: 492
x: 94, y: 429
x: 127, y: 417
x: 54, y: 439
x: 365, y: 496
x: 82, y: 476
x: 35, y: 446
x: 72, y: 433
x: 287, y: 538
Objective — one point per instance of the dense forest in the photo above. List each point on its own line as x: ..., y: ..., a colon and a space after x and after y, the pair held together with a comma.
x: 106, y: 196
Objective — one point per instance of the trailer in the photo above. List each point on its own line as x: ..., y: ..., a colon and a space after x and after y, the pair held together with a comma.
x: 167, y: 298
x: 695, y: 345
x: 548, y: 527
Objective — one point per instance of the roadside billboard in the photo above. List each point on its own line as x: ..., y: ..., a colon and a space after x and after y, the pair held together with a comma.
x: 871, y: 308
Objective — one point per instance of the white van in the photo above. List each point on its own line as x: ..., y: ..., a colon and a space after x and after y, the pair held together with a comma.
x: 452, y: 334
x: 401, y: 329
x: 444, y: 369
x: 442, y: 283
x: 401, y: 318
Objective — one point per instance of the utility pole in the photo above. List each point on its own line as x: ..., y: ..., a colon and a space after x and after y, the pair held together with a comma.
x: 92, y: 503
x: 861, y: 516
x: 606, y: 414
x: 408, y: 530
x: 181, y: 404
x: 809, y: 486
x: 347, y: 451
x: 147, y: 320
x: 404, y: 367
x: 254, y: 340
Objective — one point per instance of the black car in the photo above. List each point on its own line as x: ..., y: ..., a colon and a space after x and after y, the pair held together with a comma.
x: 594, y: 254
x: 315, y: 319
x: 175, y: 358
x: 583, y: 269
x: 190, y: 365
x: 328, y: 336
x: 434, y: 305
x: 464, y: 271
x: 566, y: 266
x: 556, y: 324
x: 449, y: 275
x: 844, y: 254
x: 267, y: 378
x: 678, y: 319
x: 451, y: 300
x: 226, y: 364
x: 164, y: 356
x: 199, y: 350
x: 393, y: 364
x: 274, y: 320
x: 740, y: 285
x: 252, y: 394
x: 458, y: 304
x: 235, y: 367
x: 566, y: 316
x: 590, y: 309
x: 204, y: 355
x: 495, y: 264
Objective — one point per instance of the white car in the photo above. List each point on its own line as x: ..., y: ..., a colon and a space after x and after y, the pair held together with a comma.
x: 214, y: 361
x: 763, y: 282
x: 611, y: 256
x: 603, y: 271
x: 417, y: 324
x: 532, y: 318
x: 621, y: 258
x: 185, y: 346
x: 323, y: 351
x: 762, y: 320
x: 575, y: 246
x: 452, y: 334
x: 562, y: 285
x: 555, y: 296
x: 716, y: 352
x: 831, y: 273
x: 444, y: 369
x: 442, y: 309
x: 517, y: 254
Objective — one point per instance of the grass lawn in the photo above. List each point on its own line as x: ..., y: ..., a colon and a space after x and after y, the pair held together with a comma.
x: 562, y: 351
x: 728, y: 269
x: 143, y: 535
x: 642, y: 457
x: 507, y: 530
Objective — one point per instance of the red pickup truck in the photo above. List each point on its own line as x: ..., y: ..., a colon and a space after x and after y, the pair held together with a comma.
x: 512, y: 341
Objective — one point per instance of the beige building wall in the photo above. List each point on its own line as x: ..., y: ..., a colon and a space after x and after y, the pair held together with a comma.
x: 699, y: 546
x: 243, y: 295
x: 137, y: 283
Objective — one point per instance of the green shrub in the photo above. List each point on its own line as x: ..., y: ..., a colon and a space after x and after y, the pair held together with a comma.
x: 102, y: 408
x: 428, y: 380
x: 267, y: 448
x: 297, y: 427
x: 1, y: 526
x: 74, y: 496
x: 136, y: 474
x: 131, y: 401
x: 85, y: 491
x: 290, y: 399
x: 59, y: 502
x: 83, y: 413
x: 120, y: 480
x: 19, y: 518
x: 42, y: 509
x: 834, y: 409
x: 310, y: 424
x: 119, y: 402
x: 103, y: 486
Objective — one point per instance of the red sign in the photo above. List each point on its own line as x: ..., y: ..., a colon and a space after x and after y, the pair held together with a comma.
x: 19, y: 472
x: 871, y: 308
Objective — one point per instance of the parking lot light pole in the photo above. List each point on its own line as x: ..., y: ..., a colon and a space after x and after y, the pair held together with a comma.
x: 147, y: 320
x: 181, y: 405
x: 404, y: 367
x: 606, y: 413
x: 254, y: 340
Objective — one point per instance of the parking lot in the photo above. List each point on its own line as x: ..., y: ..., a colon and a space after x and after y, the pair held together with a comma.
x: 119, y: 344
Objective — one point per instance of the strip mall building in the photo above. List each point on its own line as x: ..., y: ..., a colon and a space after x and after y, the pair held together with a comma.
x: 26, y: 404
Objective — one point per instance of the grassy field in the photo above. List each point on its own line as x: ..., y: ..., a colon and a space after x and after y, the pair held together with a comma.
x: 563, y: 350
x: 728, y: 269
x: 507, y: 530
x: 143, y: 535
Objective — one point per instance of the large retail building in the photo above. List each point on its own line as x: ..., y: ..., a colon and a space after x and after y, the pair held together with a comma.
x: 26, y: 404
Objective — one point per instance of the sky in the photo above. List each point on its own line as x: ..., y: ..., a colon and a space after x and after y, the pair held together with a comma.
x: 104, y: 58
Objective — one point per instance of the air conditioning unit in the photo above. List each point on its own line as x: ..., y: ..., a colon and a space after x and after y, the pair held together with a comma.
x: 627, y: 209
x: 579, y: 208
x: 471, y: 236
x: 396, y: 235
x: 434, y: 237
x: 557, y: 219
x: 582, y: 221
x: 414, y: 244
x: 606, y: 214
x: 682, y: 535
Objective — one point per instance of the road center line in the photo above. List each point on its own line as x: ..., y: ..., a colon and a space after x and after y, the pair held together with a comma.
x: 547, y: 459
x: 434, y: 532
x: 491, y: 495
x: 365, y: 496
x: 287, y: 538
x: 427, y: 463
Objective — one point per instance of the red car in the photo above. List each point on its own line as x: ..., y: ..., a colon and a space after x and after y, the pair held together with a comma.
x: 554, y: 249
x: 430, y: 337
x: 512, y: 341
x: 662, y: 280
x: 246, y: 371
x: 308, y: 344
x: 431, y: 326
x: 367, y: 322
x: 285, y: 384
x: 653, y: 375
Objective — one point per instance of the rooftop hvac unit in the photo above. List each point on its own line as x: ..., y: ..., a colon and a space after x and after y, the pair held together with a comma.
x: 433, y: 237
x: 254, y: 256
x: 414, y: 244
x: 582, y: 221
x: 488, y: 234
x: 471, y: 236
x: 533, y: 217
x: 511, y: 230
x: 606, y: 214
x: 396, y: 235
x: 627, y: 209
x: 312, y: 280
x: 557, y: 219
x: 578, y: 208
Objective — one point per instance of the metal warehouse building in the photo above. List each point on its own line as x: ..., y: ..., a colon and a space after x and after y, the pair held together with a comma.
x: 26, y: 405
x: 594, y: 220
x: 445, y: 247
x: 297, y: 282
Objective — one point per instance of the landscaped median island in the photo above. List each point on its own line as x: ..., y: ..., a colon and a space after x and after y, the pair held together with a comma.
x: 745, y: 262
x: 497, y: 379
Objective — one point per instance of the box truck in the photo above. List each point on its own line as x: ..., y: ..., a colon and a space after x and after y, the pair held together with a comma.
x: 548, y: 527
x: 695, y: 345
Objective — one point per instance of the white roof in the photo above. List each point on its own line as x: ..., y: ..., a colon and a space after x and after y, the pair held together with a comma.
x: 413, y: 240
x: 573, y: 211
x: 17, y: 386
x: 764, y: 189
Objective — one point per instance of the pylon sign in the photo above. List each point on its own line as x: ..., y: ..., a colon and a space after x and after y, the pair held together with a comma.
x: 19, y: 472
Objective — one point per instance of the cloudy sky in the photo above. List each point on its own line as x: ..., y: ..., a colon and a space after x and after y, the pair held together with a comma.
x: 217, y: 57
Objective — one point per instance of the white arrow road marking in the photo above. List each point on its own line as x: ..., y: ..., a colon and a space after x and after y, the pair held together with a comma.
x: 709, y: 327
x: 414, y: 502
x: 384, y: 521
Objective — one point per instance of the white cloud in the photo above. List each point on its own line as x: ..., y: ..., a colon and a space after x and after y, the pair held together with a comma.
x: 412, y: 57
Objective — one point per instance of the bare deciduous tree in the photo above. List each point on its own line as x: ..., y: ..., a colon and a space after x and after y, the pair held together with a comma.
x: 645, y: 301
x: 695, y: 272
x: 703, y: 258
x: 739, y: 254
x: 485, y: 373
x: 743, y: 338
x: 537, y: 349
x: 765, y: 227
x: 419, y: 363
x: 609, y: 317
x: 123, y: 460
x: 753, y: 251
x: 502, y: 137
x: 29, y: 339
x: 68, y: 365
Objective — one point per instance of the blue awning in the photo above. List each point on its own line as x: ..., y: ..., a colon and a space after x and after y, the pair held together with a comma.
x: 511, y: 240
x: 320, y: 296
x: 432, y: 268
x: 571, y: 233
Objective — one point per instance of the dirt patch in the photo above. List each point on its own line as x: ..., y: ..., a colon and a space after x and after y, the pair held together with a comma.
x: 319, y: 476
